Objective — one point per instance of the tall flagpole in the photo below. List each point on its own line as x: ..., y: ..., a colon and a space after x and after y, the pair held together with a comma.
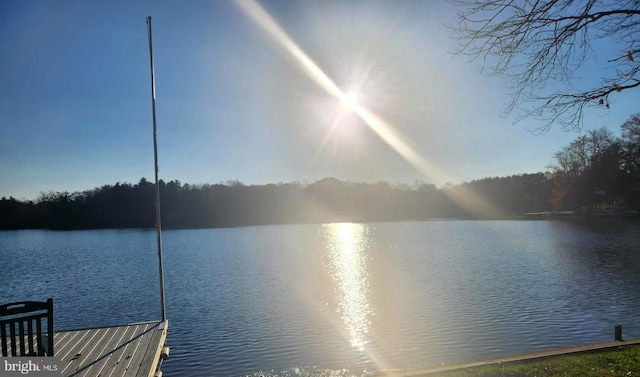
x: 155, y: 159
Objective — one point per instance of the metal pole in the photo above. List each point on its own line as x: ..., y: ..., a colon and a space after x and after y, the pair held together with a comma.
x: 155, y: 159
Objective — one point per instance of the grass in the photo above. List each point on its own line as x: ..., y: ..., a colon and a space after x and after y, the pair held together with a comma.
x: 623, y: 361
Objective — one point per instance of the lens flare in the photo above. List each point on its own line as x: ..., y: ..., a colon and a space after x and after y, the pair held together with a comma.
x: 377, y: 124
x: 350, y: 270
x: 350, y: 102
x: 474, y: 204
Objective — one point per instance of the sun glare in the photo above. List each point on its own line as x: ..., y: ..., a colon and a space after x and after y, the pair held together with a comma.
x: 350, y: 101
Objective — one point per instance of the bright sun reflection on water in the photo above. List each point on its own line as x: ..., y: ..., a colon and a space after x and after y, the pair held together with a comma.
x: 348, y: 263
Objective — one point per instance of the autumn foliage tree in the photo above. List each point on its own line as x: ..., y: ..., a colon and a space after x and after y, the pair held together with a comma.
x: 541, y: 46
x: 559, y: 191
x: 599, y: 171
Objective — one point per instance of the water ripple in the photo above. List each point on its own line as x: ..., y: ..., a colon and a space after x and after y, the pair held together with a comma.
x: 343, y: 299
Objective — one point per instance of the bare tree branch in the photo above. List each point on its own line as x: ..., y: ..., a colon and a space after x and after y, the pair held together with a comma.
x: 541, y: 47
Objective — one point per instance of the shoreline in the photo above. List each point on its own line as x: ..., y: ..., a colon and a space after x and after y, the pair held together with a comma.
x: 541, y: 354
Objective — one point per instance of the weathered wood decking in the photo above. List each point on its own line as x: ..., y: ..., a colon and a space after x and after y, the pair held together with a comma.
x: 128, y: 351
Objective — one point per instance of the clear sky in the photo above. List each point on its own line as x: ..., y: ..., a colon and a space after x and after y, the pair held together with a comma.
x: 234, y: 102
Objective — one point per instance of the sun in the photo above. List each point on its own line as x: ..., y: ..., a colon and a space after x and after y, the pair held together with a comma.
x: 350, y: 101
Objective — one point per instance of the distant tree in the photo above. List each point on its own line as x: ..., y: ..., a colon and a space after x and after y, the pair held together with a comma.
x: 605, y: 177
x: 588, y: 171
x: 631, y: 129
x: 11, y: 210
x: 171, y: 203
x: 559, y: 191
x: 631, y: 150
x: 535, y: 43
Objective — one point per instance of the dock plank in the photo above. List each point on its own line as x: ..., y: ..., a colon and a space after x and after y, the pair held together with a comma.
x: 125, y: 351
x: 149, y: 358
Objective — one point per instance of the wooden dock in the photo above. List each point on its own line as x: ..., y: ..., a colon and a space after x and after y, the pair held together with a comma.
x: 132, y: 350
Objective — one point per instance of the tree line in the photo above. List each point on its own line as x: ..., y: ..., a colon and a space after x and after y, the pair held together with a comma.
x: 594, y: 173
x: 599, y: 171
x: 126, y: 205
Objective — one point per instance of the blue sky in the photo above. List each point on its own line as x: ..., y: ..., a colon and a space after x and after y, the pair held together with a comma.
x: 234, y: 104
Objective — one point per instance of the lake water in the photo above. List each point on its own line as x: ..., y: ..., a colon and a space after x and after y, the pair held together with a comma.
x: 340, y: 299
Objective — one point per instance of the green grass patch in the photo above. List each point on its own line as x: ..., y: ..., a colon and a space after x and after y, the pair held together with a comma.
x: 623, y: 361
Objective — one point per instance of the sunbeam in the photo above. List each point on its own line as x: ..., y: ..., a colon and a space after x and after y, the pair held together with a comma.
x: 474, y: 204
x: 262, y: 18
x: 471, y: 202
x: 375, y: 122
